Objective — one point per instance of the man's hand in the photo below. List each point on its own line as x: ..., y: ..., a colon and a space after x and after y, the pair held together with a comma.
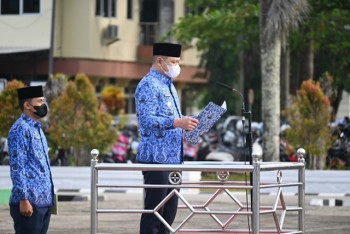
x: 25, y: 208
x: 187, y: 123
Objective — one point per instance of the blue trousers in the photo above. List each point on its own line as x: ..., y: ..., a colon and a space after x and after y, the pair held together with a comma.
x: 38, y: 223
x: 150, y: 224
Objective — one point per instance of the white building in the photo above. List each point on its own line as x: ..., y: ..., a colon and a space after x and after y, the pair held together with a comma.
x: 108, y: 40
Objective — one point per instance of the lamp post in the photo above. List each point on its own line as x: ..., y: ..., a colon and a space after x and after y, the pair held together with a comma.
x: 52, y: 39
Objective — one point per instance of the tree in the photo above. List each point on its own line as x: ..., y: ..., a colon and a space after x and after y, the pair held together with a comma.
x: 9, y: 110
x: 75, y: 121
x: 54, y: 87
x: 277, y: 18
x: 226, y: 55
x: 309, y: 118
x: 114, y: 98
x: 325, y: 38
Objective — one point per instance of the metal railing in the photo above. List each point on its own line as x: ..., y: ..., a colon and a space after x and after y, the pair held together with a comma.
x: 223, y: 169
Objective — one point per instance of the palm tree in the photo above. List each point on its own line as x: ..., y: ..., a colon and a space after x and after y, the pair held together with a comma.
x: 277, y: 17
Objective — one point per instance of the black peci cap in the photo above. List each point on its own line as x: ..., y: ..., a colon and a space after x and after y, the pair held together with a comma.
x: 167, y: 49
x: 30, y: 92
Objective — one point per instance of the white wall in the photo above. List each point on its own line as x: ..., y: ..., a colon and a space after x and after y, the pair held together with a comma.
x: 27, y: 30
x: 81, y: 32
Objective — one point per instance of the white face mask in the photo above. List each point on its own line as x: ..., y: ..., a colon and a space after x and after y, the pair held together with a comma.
x: 173, y: 71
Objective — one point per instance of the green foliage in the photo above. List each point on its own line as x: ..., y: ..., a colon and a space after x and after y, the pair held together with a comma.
x: 76, y: 122
x: 114, y: 98
x: 309, y: 118
x: 223, y: 67
x: 328, y: 28
x: 222, y: 29
x: 217, y: 22
x: 9, y: 110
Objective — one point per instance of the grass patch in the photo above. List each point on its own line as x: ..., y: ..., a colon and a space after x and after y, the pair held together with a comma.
x: 4, y: 196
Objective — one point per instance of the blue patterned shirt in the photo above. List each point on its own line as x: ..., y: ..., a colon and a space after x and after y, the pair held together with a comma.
x: 29, y: 163
x: 157, y: 105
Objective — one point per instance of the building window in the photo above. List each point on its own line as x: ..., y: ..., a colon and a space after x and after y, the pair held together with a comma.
x: 106, y: 8
x: 18, y: 7
x: 130, y: 99
x: 129, y: 13
x: 194, y: 10
x: 31, y: 6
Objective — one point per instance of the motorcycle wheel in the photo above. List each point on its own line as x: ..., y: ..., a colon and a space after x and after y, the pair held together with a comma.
x: 334, y: 163
x: 5, y: 161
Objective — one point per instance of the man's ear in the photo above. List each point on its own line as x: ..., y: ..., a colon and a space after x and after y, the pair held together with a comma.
x: 159, y: 59
x: 26, y: 105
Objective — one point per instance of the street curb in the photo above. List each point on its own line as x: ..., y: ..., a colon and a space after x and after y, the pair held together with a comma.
x: 331, y: 202
x: 64, y: 195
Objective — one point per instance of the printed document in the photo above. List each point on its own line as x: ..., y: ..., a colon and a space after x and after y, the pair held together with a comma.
x: 207, y: 118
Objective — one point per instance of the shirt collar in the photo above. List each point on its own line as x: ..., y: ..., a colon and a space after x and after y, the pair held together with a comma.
x: 30, y: 121
x: 163, y: 78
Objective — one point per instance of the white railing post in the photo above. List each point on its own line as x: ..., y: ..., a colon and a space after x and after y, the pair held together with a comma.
x: 93, y: 192
x: 256, y: 196
x: 301, y: 190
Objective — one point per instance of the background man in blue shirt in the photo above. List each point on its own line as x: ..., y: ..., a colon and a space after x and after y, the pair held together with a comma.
x: 32, y: 193
x: 161, y: 125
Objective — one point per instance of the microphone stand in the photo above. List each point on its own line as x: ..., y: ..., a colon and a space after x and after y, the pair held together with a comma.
x: 248, y: 135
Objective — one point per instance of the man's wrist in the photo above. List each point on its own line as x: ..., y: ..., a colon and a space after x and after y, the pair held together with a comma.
x: 176, y: 122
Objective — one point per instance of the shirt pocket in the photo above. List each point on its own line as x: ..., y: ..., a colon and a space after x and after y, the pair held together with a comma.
x: 37, y: 146
x: 166, y: 106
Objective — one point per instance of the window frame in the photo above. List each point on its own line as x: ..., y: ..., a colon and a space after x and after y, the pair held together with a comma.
x: 21, y: 9
x: 108, y: 10
x: 129, y: 9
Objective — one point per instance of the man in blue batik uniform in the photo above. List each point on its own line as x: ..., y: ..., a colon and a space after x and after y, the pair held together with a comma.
x: 32, y: 193
x: 161, y: 125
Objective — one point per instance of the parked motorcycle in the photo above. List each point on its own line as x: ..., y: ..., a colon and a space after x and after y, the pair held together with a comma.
x: 4, y: 158
x: 339, y: 154
x: 60, y: 158
x: 107, y: 157
x: 287, y: 152
x: 208, y: 142
x: 126, y: 147
x: 190, y: 151
x: 232, y: 144
x: 120, y: 149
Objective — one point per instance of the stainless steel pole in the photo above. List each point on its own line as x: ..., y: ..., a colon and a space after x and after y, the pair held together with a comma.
x: 301, y: 190
x: 93, y: 191
x: 256, y: 197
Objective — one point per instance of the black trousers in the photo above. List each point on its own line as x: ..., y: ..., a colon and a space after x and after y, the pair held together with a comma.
x: 38, y: 223
x: 150, y: 224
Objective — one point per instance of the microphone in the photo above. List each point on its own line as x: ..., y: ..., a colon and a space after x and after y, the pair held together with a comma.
x: 229, y: 88
x: 233, y: 90
x: 248, y: 140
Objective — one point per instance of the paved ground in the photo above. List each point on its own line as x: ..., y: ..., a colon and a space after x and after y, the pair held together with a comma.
x: 74, y: 216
